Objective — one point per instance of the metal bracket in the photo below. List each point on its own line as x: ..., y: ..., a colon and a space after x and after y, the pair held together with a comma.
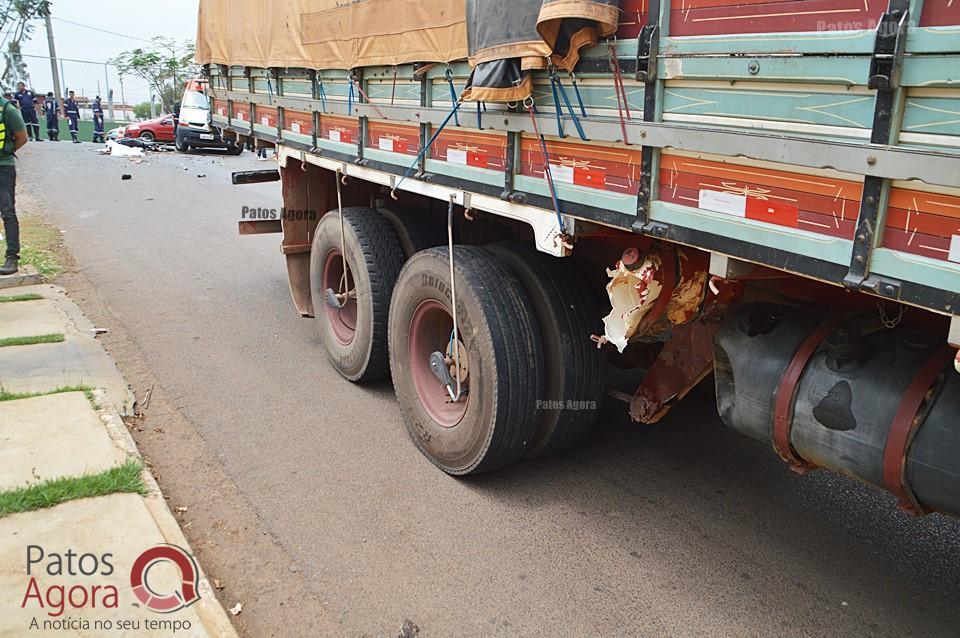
x: 647, y: 53
x: 887, y: 62
x: 867, y: 229
x: 883, y: 287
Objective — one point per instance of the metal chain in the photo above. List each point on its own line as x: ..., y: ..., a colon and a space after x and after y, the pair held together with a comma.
x: 889, y: 323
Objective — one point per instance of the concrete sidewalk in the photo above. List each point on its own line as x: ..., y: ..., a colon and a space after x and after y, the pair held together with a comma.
x: 68, y: 570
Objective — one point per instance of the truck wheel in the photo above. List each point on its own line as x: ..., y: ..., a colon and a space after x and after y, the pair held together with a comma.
x: 415, y: 230
x: 501, y: 361
x: 355, y: 335
x: 572, y: 365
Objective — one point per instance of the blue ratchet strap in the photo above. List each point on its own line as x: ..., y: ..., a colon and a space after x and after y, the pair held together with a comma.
x: 557, y: 108
x: 426, y: 148
x: 573, y: 115
x: 576, y: 89
x: 269, y: 91
x: 323, y: 94
x: 350, y: 97
x: 481, y: 107
x: 453, y: 95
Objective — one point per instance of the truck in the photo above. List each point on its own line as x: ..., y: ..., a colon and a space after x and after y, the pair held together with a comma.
x: 510, y: 206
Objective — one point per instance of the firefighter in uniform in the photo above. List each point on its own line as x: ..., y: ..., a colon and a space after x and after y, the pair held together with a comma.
x: 72, y: 112
x: 98, y: 121
x: 51, y: 108
x: 27, y: 100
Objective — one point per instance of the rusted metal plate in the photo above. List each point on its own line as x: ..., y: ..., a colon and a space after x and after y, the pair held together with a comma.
x: 685, y: 361
x: 261, y: 227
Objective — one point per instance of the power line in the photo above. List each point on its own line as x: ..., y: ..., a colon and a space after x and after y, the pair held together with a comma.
x: 87, y: 26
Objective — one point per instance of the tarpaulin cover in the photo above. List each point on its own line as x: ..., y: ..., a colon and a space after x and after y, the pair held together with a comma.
x: 506, y: 39
x: 510, y: 38
x: 330, y: 34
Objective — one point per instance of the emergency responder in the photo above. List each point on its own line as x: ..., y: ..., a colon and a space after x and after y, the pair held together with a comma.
x: 72, y: 112
x: 13, y: 135
x: 51, y: 108
x: 98, y: 121
x: 27, y: 100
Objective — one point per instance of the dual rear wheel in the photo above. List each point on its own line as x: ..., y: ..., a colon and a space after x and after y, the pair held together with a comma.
x: 529, y: 377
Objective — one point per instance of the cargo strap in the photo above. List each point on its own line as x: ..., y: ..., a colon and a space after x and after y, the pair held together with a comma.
x: 323, y: 93
x: 787, y: 392
x: 576, y: 91
x: 559, y: 92
x: 623, y: 105
x: 453, y: 94
x: 426, y: 149
x: 548, y: 173
x: 393, y: 89
x: 913, y: 410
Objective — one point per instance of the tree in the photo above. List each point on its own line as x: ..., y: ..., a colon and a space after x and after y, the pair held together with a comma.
x: 164, y: 66
x: 142, y: 111
x: 15, y: 17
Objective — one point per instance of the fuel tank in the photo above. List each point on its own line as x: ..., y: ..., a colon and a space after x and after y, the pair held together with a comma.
x: 847, y: 397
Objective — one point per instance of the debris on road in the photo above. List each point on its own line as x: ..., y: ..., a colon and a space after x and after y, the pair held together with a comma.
x: 236, y: 609
x: 408, y: 630
x: 126, y: 176
x: 99, y: 331
x: 118, y: 149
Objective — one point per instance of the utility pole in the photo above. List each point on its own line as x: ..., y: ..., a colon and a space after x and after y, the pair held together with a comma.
x: 53, y: 60
x: 123, y: 100
x: 106, y: 75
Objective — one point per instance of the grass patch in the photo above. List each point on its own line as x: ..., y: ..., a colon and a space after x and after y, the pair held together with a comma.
x: 15, y: 298
x: 40, y: 246
x: 16, y: 396
x: 119, y: 480
x: 31, y: 341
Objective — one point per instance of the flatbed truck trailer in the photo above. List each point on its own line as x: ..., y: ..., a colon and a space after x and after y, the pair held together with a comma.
x: 502, y: 205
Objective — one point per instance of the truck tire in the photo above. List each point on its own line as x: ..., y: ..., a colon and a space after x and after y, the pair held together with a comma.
x: 572, y: 365
x: 355, y: 336
x: 414, y: 228
x: 503, y: 364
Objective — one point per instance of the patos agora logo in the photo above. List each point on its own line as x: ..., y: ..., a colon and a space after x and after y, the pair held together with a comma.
x: 166, y: 602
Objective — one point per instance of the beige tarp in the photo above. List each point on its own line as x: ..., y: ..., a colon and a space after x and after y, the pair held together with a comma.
x: 330, y: 34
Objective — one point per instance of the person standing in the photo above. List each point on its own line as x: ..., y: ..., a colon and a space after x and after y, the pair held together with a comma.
x: 13, y: 135
x: 27, y: 100
x: 98, y: 121
x: 51, y: 108
x: 72, y: 111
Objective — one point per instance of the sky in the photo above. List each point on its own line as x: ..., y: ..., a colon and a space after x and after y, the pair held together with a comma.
x: 172, y: 18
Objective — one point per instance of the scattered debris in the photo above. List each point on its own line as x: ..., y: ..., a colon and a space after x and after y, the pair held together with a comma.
x: 126, y: 176
x: 633, y: 290
x: 217, y: 584
x: 201, y: 175
x: 408, y: 630
x: 180, y: 510
x: 236, y: 609
x: 119, y: 149
x: 99, y: 331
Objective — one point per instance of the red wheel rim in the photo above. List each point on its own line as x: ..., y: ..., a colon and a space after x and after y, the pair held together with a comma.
x: 430, y: 330
x: 343, y: 321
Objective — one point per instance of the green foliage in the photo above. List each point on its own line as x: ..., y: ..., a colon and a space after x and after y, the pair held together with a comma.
x: 126, y: 478
x: 142, y: 111
x: 165, y: 66
x: 15, y: 17
x: 15, y: 299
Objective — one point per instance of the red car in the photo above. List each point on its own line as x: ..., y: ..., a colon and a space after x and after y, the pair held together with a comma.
x: 159, y: 129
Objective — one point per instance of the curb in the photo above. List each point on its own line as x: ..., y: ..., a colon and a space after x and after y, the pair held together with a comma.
x: 28, y: 276
x: 214, y: 617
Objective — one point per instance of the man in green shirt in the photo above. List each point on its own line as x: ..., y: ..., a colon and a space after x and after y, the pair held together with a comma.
x: 13, y: 135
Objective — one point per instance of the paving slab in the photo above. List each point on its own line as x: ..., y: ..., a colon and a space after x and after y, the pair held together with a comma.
x: 51, y: 437
x: 77, y: 361
x: 27, y: 276
x: 32, y: 319
x: 122, y: 525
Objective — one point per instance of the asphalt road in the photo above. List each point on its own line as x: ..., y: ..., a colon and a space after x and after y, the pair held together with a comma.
x: 682, y: 529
